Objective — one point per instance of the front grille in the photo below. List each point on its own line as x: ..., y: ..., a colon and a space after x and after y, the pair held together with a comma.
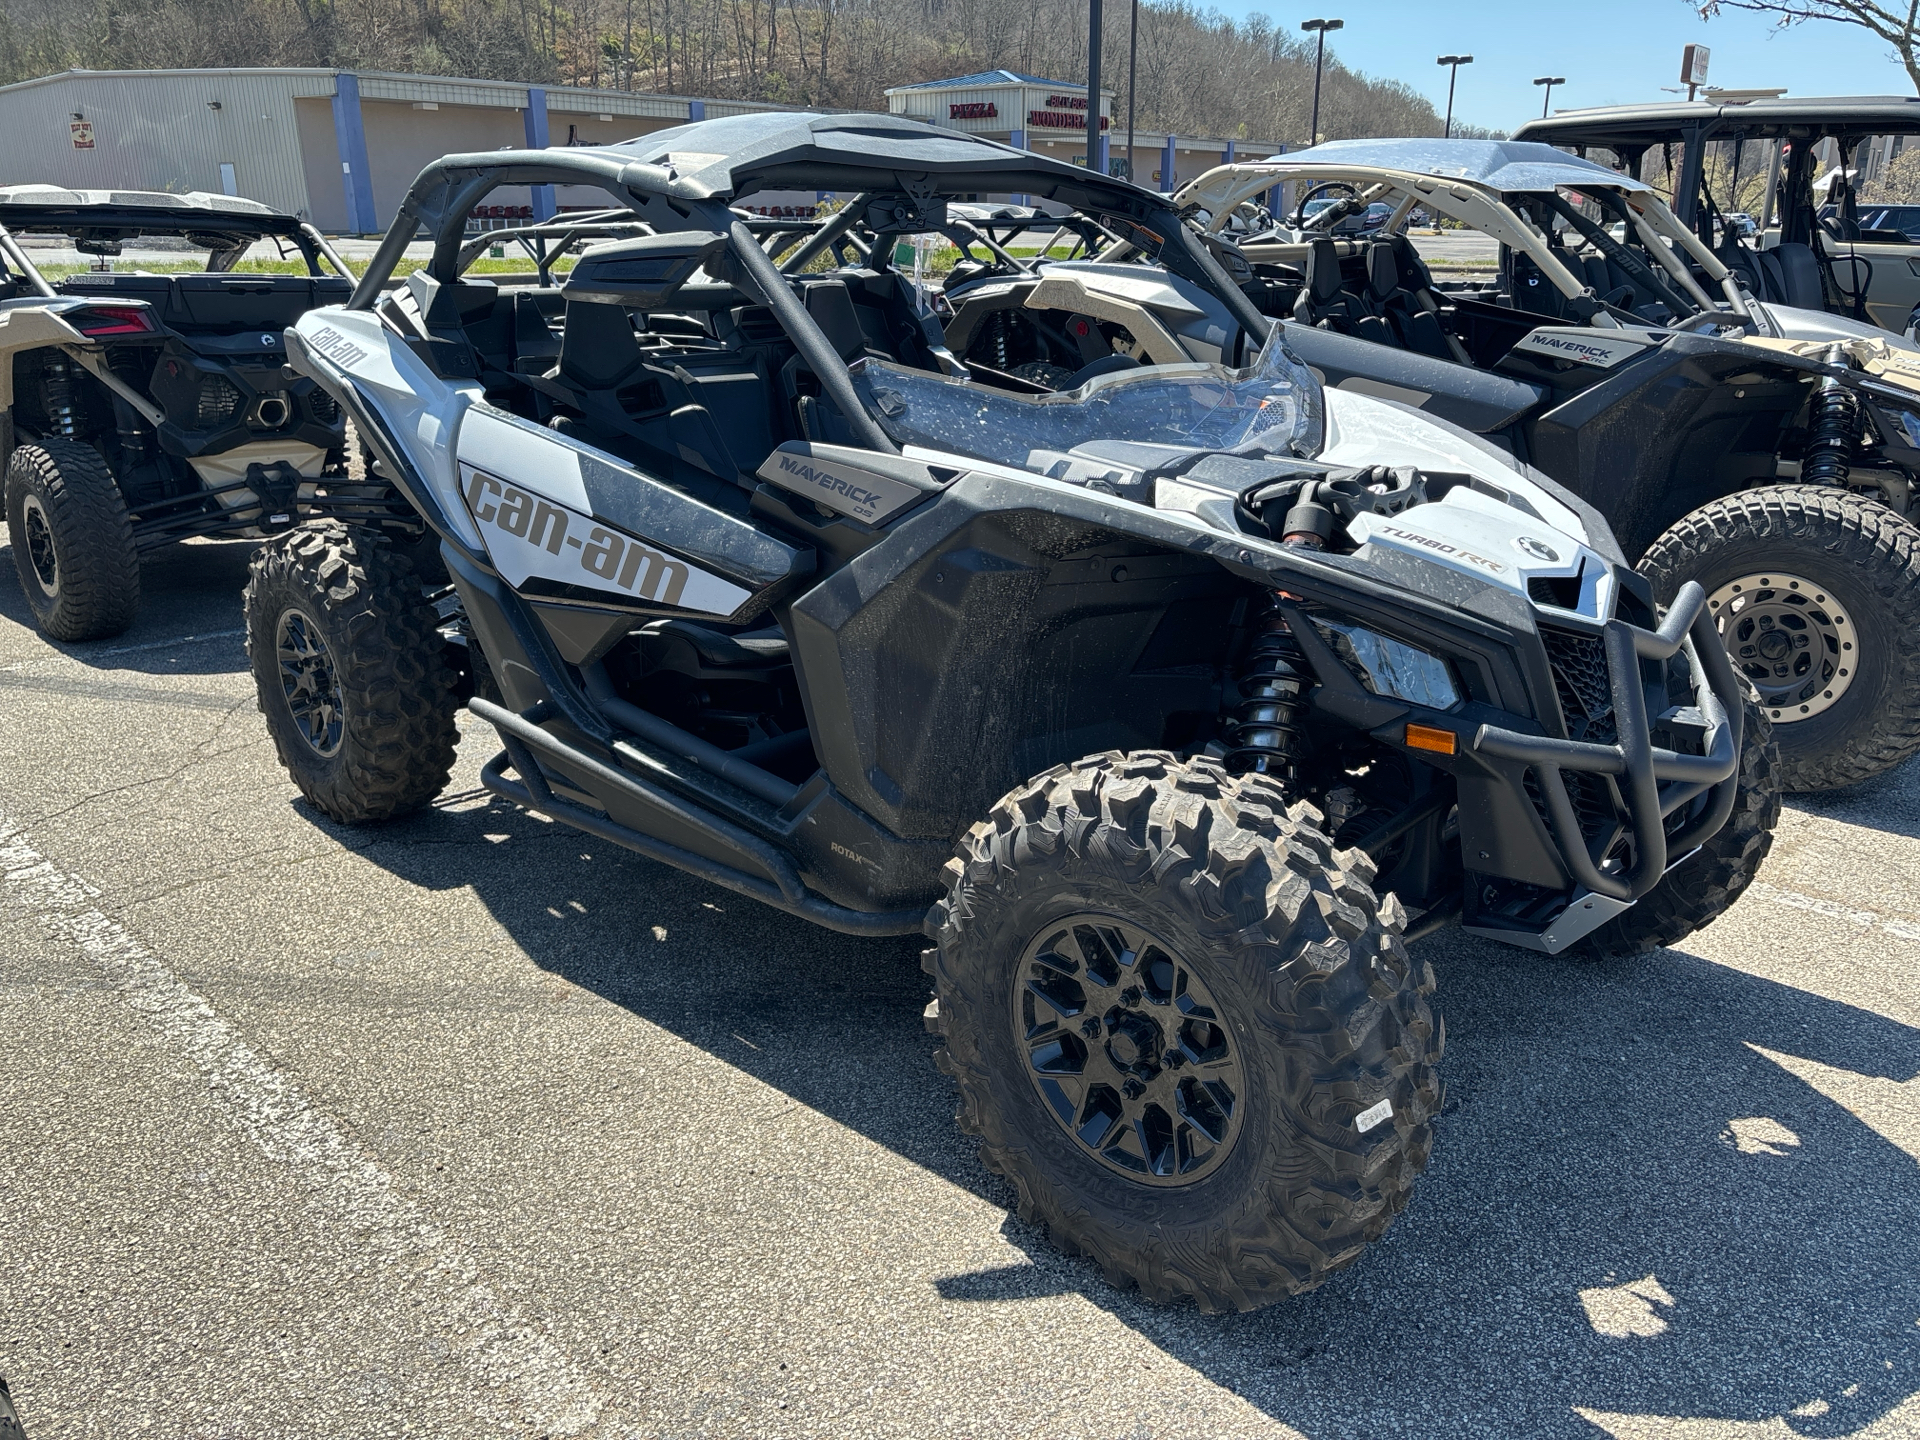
x: 1579, y: 665
x: 1592, y: 802
x: 323, y: 407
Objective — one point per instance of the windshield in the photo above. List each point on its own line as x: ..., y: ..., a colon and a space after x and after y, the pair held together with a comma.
x: 1273, y: 407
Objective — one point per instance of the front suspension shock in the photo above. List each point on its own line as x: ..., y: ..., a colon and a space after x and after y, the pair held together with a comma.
x: 1265, y: 725
x: 1833, y: 426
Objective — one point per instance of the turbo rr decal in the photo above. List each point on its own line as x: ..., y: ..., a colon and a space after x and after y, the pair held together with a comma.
x: 533, y: 539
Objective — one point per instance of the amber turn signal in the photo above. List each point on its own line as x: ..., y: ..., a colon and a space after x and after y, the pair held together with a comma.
x: 1425, y: 737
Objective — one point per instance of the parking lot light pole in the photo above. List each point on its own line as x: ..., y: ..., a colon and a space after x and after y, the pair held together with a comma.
x: 1547, y: 99
x: 1456, y: 61
x: 1320, y: 28
x: 1094, y: 9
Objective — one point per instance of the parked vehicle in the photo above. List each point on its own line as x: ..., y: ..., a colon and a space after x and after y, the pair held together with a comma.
x: 1767, y: 452
x: 1846, y: 262
x: 1169, y: 707
x: 139, y: 407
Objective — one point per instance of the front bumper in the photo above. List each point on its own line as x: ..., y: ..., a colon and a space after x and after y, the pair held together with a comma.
x: 1652, y: 783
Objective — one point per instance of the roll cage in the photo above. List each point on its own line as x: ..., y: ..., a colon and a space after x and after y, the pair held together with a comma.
x: 103, y: 227
x: 1498, y: 212
x: 686, y: 180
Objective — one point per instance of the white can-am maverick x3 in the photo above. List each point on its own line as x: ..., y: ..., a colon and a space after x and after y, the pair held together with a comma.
x: 1169, y: 707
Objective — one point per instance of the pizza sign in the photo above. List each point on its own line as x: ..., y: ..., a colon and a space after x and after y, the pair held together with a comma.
x: 82, y: 131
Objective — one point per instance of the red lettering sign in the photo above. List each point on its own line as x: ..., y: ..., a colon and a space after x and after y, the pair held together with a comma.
x: 981, y: 110
x: 1066, y: 102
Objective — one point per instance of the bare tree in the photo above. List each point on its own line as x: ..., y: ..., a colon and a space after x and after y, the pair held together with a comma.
x: 1897, y: 24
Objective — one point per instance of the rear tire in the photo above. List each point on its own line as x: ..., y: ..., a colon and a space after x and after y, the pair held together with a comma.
x: 351, y: 672
x: 72, y: 540
x: 1235, y: 1198
x: 1862, y: 562
x: 1700, y: 889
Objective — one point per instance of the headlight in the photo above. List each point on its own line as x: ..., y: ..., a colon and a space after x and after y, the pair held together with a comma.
x: 1288, y: 398
x: 1391, y: 667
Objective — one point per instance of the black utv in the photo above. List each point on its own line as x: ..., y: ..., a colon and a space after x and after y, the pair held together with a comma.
x: 144, y: 399
x: 1168, y: 707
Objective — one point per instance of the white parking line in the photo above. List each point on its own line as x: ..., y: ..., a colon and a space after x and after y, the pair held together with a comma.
x: 533, y: 1376
x: 1833, y: 910
x: 163, y: 644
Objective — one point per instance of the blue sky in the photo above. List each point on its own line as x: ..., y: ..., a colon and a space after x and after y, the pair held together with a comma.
x: 1611, y: 51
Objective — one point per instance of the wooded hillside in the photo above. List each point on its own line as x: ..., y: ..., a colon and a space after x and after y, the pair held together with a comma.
x: 1199, y: 73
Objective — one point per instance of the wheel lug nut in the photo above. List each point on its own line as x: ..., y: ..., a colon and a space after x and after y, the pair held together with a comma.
x: 1090, y: 1029
x: 1173, y: 1060
x: 1131, y: 995
x: 1133, y: 1089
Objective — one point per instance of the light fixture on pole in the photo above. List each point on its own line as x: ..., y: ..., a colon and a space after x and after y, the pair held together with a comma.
x: 1456, y: 61
x: 1549, y: 81
x: 1320, y: 28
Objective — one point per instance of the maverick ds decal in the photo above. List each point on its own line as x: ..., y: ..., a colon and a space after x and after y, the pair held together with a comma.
x: 541, y: 545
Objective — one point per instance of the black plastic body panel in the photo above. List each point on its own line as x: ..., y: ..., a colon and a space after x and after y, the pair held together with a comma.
x: 1474, y: 399
x: 1667, y: 432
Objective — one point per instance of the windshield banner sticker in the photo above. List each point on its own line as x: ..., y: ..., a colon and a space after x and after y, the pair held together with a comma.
x: 531, y: 538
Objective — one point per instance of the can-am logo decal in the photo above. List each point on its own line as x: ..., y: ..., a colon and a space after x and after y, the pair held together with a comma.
x: 604, y: 558
x: 1441, y: 547
x: 336, y: 347
x: 1538, y: 549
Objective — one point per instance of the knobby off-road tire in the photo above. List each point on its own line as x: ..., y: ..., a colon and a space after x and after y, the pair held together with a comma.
x: 350, y: 671
x: 1699, y: 890
x: 1321, y: 1008
x: 1863, y: 556
x: 72, y: 540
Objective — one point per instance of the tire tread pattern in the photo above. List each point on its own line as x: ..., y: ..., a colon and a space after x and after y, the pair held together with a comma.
x: 1701, y: 888
x: 397, y: 686
x: 99, y: 567
x: 1342, y: 1005
x: 1877, y: 548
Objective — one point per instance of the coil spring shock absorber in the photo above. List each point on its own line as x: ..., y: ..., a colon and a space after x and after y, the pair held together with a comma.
x: 997, y: 338
x: 1833, y: 426
x: 1273, y: 684
x: 56, y: 397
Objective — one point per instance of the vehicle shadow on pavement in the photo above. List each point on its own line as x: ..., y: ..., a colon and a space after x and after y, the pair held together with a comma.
x: 1657, y: 1187
x: 1889, y: 802
x: 189, y: 596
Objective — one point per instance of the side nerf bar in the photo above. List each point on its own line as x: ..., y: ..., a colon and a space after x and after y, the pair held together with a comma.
x: 1653, y: 782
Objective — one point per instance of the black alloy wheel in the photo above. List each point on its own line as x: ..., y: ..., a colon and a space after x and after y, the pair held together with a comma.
x: 310, y: 683
x: 1128, y: 1050
x: 40, y: 553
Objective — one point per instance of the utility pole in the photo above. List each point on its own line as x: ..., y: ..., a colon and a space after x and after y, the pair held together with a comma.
x: 1133, y: 50
x: 1094, y: 157
x: 1456, y: 61
x: 1319, y: 27
x: 1549, y: 81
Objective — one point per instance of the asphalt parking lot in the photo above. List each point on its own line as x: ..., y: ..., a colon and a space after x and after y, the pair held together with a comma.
x: 472, y: 1125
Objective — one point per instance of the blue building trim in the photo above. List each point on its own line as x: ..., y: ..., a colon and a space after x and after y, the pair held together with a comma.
x: 696, y: 110
x: 1102, y: 155
x: 1229, y: 159
x: 1166, y: 167
x: 536, y: 124
x: 350, y: 139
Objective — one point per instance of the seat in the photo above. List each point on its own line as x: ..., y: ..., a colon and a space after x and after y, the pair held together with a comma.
x: 830, y: 304
x: 1403, y: 287
x: 535, y: 346
x: 1326, y: 303
x: 598, y: 348
x: 1785, y: 275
